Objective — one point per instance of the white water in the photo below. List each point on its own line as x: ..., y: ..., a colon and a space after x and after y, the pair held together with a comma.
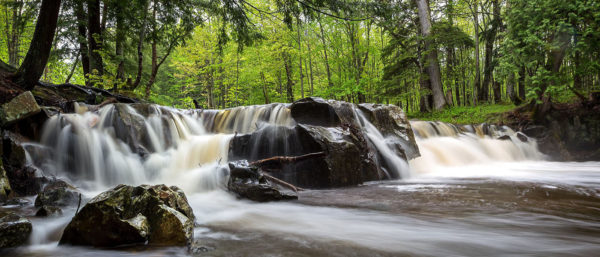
x: 450, y: 162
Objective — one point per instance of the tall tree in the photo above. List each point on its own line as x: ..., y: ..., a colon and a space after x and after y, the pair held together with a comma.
x: 95, y: 37
x: 32, y: 67
x: 432, y: 64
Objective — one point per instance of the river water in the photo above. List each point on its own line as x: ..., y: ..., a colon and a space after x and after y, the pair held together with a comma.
x: 467, y: 195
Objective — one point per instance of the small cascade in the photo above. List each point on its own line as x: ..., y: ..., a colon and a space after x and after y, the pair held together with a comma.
x: 132, y: 144
x: 247, y: 119
x: 396, y: 166
x: 446, y: 145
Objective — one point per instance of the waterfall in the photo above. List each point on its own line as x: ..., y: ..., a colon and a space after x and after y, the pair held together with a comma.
x: 447, y: 145
x: 145, y: 143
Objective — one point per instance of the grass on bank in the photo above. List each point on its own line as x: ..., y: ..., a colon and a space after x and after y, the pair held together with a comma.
x: 465, y: 114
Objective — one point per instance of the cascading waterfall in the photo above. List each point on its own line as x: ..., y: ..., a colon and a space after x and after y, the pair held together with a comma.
x: 446, y: 145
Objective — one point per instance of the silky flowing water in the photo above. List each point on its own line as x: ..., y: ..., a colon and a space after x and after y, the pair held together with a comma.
x: 469, y: 194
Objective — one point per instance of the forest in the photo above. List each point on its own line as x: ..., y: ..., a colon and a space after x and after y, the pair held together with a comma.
x: 418, y: 54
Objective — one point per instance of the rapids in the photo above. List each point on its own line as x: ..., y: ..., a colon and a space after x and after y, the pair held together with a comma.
x: 469, y: 193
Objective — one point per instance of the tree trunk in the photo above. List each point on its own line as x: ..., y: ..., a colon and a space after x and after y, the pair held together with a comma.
x: 300, y: 59
x: 310, y: 68
x: 140, y: 47
x: 41, y: 43
x: 477, y: 85
x: 522, y: 84
x: 288, y: 73
x: 489, y: 52
x: 94, y: 37
x: 433, y: 67
x: 72, y: 71
x: 154, y: 68
x: 329, y: 83
x: 119, y: 41
x: 82, y: 38
x: 264, y: 88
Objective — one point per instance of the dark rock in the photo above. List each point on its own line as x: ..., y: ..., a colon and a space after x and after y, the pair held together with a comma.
x: 315, y: 111
x: 156, y: 215
x: 343, y: 165
x: 534, y: 131
x: 393, y: 124
x: 24, y: 180
x: 57, y: 193
x: 46, y: 211
x: 20, y: 107
x: 522, y: 137
x: 16, y: 202
x: 248, y: 183
x: 14, y: 229
x: 504, y: 137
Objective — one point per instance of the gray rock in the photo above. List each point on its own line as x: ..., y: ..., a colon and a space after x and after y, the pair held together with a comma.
x: 248, y: 183
x: 20, y: 107
x: 57, y: 193
x: 156, y: 215
x: 46, y: 211
x: 14, y: 230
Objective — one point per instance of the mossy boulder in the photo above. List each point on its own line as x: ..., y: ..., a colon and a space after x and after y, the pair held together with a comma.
x: 20, y: 107
x: 154, y: 215
x: 14, y: 229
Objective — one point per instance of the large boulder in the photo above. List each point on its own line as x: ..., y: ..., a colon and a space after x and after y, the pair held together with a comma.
x: 344, y: 163
x: 344, y: 131
x: 249, y: 183
x: 14, y: 229
x: 156, y: 215
x: 20, y: 107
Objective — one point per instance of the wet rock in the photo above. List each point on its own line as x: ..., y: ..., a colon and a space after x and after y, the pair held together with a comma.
x: 248, y: 183
x: 393, y: 124
x: 343, y: 165
x: 57, y: 193
x: 16, y: 202
x: 534, y: 131
x: 24, y: 180
x: 522, y: 137
x: 504, y: 137
x: 315, y: 111
x: 4, y: 184
x: 46, y: 211
x: 14, y: 229
x: 20, y: 107
x: 156, y: 215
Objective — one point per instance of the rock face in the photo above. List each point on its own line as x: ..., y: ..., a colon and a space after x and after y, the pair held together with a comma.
x: 156, y: 215
x: 4, y: 183
x: 14, y: 229
x: 57, y: 194
x: 24, y: 180
x: 248, y: 183
x: 20, y: 107
x: 340, y: 130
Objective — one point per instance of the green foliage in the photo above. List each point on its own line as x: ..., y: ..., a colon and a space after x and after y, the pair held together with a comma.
x: 465, y: 114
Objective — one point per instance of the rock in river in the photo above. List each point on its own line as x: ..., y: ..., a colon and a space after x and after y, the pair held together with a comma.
x: 14, y: 229
x: 249, y: 183
x: 156, y: 215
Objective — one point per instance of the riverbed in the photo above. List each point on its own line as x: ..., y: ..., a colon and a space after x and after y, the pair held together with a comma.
x: 533, y: 208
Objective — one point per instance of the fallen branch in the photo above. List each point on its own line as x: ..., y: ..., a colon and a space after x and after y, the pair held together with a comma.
x: 283, y: 183
x: 276, y: 162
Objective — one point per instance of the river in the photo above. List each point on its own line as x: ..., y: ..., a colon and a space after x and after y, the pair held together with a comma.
x: 467, y: 195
